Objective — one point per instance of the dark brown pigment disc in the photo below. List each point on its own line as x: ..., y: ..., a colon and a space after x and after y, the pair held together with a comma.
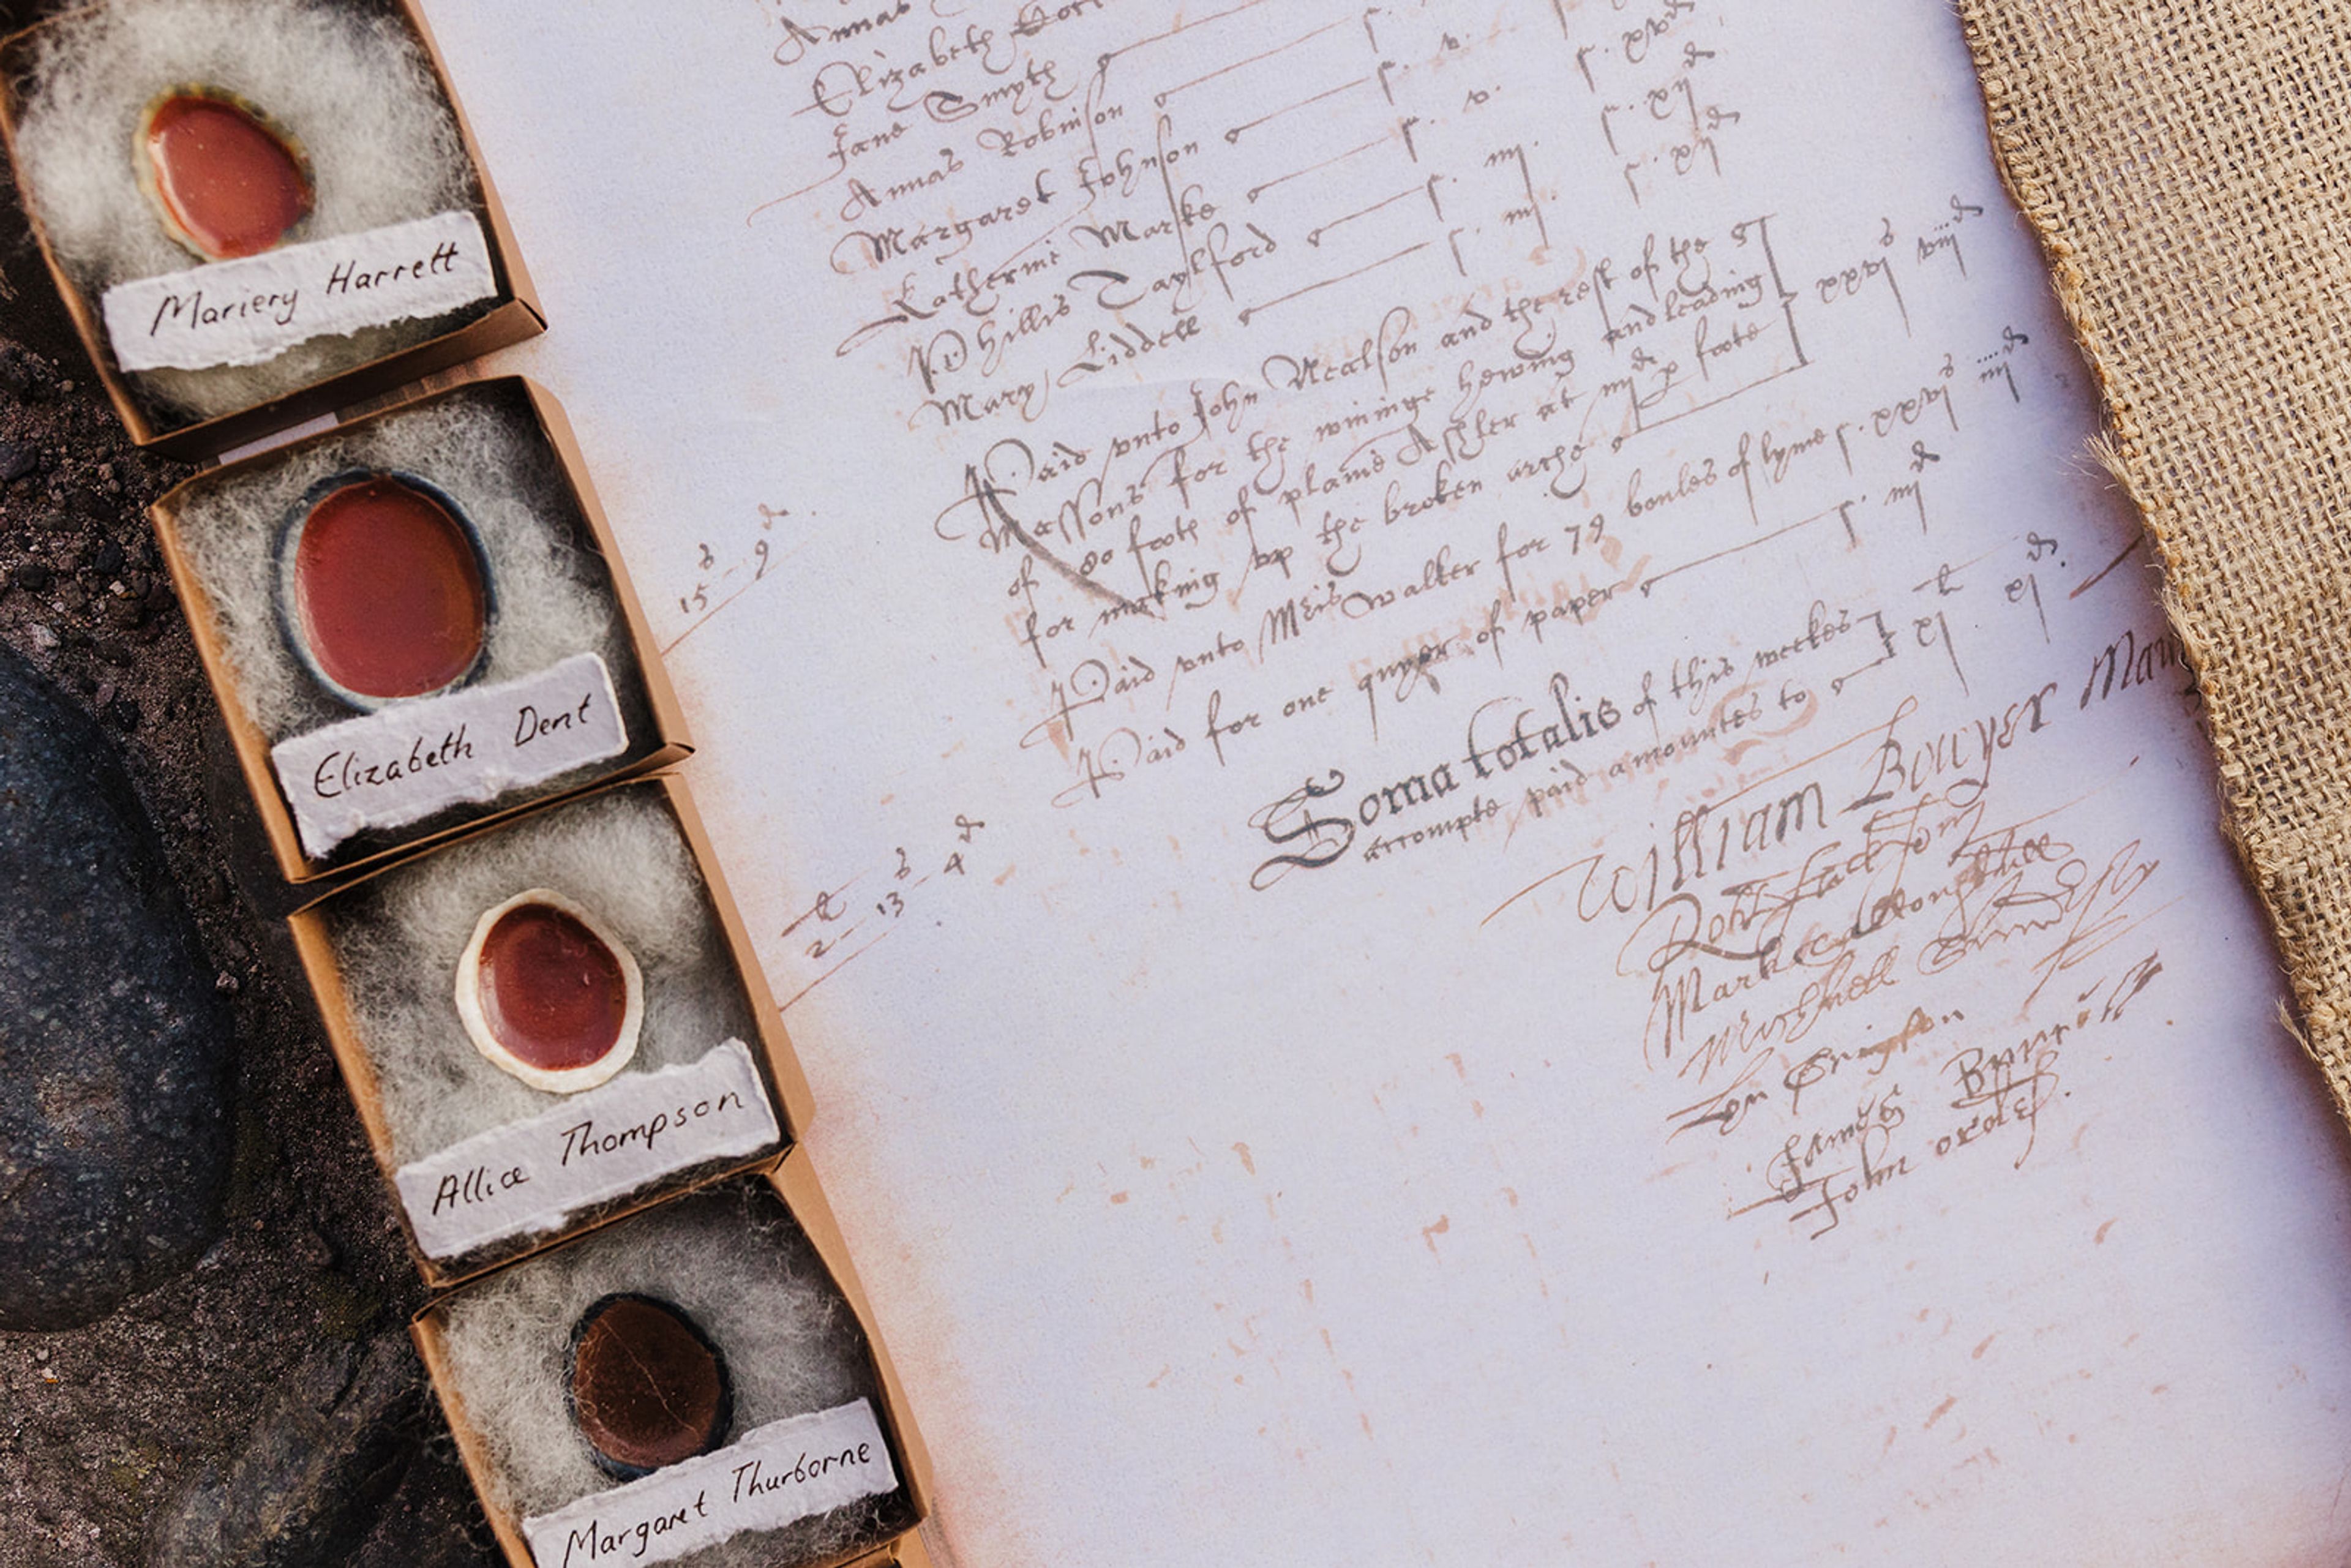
x: 388, y: 591
x: 647, y: 1388
x: 229, y: 182
x: 552, y: 992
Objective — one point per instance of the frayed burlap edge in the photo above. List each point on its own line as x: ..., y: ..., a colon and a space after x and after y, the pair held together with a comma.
x: 2299, y: 870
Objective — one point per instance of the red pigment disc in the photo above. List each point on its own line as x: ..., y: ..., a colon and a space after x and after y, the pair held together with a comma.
x: 389, y: 591
x: 553, y: 993
x: 231, y: 185
x: 648, y: 1390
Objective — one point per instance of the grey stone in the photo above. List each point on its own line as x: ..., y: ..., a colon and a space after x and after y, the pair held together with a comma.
x: 16, y: 375
x: 114, y: 1046
x: 331, y: 1443
x: 25, y: 374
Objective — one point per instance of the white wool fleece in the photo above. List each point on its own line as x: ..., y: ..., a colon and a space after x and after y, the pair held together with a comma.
x: 350, y: 83
x: 735, y: 1259
x: 398, y: 938
x: 479, y: 445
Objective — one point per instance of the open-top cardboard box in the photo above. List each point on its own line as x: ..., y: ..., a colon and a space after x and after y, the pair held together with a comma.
x: 514, y: 316
x: 787, y: 1085
x: 794, y: 1182
x: 906, y: 1552
x: 662, y: 742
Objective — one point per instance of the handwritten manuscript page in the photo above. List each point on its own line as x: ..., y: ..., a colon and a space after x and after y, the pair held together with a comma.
x: 1473, y: 812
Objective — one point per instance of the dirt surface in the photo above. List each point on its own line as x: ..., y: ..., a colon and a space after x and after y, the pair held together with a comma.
x: 102, y: 1429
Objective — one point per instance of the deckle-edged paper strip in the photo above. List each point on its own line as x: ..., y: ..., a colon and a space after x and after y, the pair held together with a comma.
x: 530, y: 1175
x: 775, y: 1474
x: 254, y: 307
x: 404, y: 762
x: 2187, y: 166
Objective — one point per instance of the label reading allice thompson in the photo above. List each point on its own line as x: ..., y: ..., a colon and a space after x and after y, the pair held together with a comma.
x: 530, y: 1176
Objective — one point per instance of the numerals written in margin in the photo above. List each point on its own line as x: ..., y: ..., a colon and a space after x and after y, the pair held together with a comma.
x: 845, y: 921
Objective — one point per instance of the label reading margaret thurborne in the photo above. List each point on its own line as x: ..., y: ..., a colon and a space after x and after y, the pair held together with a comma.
x: 407, y: 761
x: 254, y: 307
x: 783, y: 1471
x: 528, y: 1176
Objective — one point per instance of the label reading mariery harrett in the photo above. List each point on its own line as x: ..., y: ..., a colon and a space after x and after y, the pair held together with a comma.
x: 407, y: 761
x: 775, y: 1474
x: 528, y: 1176
x: 254, y: 307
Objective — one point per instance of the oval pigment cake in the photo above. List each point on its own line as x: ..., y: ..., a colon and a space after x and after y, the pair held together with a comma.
x: 226, y: 182
x: 648, y: 1388
x: 389, y: 594
x: 549, y: 993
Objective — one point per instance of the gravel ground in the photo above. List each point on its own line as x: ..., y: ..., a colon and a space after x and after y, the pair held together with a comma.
x: 103, y: 1429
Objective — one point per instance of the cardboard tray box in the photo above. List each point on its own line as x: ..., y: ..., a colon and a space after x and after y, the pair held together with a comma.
x: 794, y: 1182
x: 772, y: 1048
x: 907, y: 1551
x: 666, y: 743
x: 514, y: 316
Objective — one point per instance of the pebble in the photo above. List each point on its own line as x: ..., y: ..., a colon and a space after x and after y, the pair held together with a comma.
x: 391, y: 598
x: 648, y: 1388
x: 114, y: 1048
x: 25, y: 374
x: 547, y: 994
x: 228, y: 183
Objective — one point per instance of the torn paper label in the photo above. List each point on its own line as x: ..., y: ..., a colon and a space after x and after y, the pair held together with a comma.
x: 783, y: 1471
x: 254, y: 307
x: 528, y: 1177
x: 407, y: 761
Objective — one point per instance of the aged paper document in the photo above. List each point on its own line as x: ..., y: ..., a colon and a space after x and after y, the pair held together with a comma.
x: 1471, y: 808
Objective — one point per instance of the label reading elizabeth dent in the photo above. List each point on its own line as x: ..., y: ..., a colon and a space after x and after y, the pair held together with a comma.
x: 775, y: 1474
x: 530, y: 1175
x: 254, y: 307
x: 404, y: 762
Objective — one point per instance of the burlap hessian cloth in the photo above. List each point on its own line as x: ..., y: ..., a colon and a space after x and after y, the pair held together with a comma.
x: 2188, y: 164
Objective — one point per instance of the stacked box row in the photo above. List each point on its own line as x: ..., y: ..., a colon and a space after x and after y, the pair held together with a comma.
x: 456, y: 737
